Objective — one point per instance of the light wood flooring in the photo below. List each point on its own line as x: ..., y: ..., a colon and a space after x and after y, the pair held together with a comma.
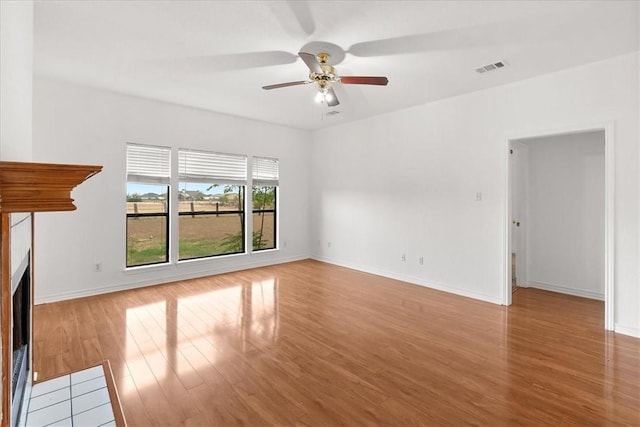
x: 309, y: 343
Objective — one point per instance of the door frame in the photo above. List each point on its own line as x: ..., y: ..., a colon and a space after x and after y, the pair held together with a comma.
x: 609, y: 207
x: 520, y: 150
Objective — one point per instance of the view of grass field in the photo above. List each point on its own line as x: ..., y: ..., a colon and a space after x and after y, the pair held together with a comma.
x: 147, y: 240
x: 205, y: 228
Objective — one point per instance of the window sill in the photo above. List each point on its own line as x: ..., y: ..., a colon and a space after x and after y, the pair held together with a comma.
x: 141, y: 269
x: 211, y: 258
x: 265, y: 251
x: 146, y: 268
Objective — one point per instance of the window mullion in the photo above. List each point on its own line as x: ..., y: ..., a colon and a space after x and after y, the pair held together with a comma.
x: 248, y: 208
x: 173, y: 207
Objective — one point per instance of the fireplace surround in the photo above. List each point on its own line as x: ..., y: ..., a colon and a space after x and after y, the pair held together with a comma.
x: 21, y: 334
x: 25, y: 188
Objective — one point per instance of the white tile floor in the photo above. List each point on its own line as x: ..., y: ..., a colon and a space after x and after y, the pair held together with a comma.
x: 80, y: 399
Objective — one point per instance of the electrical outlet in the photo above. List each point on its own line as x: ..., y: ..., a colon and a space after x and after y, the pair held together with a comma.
x: 97, y: 267
x: 421, y: 260
x: 404, y: 257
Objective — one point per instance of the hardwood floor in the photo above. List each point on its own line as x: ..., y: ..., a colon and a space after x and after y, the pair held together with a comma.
x: 309, y: 343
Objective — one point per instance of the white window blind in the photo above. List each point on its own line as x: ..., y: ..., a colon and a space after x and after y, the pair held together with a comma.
x: 148, y: 163
x: 207, y: 167
x: 265, y: 171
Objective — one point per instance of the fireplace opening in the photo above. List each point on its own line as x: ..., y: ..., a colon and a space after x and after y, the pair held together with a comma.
x: 21, y: 337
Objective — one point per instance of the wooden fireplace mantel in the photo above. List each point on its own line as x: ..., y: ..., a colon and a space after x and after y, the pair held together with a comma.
x: 27, y: 188
x: 40, y: 187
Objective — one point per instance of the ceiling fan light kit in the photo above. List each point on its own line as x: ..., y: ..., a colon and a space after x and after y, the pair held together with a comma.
x: 325, y: 96
x: 324, y: 75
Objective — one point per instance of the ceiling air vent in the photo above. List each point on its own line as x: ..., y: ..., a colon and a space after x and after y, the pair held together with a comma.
x: 491, y: 67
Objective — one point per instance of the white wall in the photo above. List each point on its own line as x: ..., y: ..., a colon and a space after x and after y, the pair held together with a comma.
x: 406, y: 182
x: 73, y: 124
x: 16, y: 73
x: 565, y: 212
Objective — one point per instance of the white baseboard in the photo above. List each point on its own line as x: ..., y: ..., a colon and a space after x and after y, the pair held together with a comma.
x: 626, y: 330
x: 564, y: 290
x: 62, y: 296
x: 411, y: 279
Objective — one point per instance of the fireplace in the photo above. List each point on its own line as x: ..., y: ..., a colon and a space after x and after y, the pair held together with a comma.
x: 25, y: 188
x: 21, y: 333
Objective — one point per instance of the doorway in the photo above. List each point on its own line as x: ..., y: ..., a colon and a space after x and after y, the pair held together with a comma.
x: 577, y: 255
x: 519, y: 167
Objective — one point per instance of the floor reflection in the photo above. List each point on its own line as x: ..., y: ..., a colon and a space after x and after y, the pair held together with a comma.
x: 547, y: 351
x: 184, y: 335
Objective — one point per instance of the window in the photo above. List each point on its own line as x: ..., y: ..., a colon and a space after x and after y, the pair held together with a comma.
x: 209, y: 197
x: 211, y: 202
x: 264, y: 192
x: 148, y: 175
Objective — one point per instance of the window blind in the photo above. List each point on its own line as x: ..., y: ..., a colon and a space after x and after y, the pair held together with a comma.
x: 148, y: 163
x: 208, y: 167
x: 265, y: 171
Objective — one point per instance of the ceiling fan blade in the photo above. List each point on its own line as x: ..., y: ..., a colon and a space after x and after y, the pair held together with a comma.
x: 364, y: 80
x: 229, y: 62
x: 279, y: 85
x: 331, y: 98
x: 513, y: 32
x: 302, y: 12
x: 294, y: 16
x: 311, y: 61
x: 401, y: 45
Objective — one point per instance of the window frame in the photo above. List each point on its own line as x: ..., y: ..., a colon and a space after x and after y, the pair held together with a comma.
x: 174, y: 175
x: 213, y: 168
x: 273, y: 210
x: 243, y: 226
x: 140, y: 169
x: 265, y: 172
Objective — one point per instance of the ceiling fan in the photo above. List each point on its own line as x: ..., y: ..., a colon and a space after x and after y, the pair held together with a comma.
x: 324, y: 76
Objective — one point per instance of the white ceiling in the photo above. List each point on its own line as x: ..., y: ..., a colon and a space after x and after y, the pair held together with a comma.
x: 217, y: 55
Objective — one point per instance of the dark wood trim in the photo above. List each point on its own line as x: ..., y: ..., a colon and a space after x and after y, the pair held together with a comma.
x: 113, y: 395
x: 32, y: 293
x: 40, y: 187
x: 5, y: 317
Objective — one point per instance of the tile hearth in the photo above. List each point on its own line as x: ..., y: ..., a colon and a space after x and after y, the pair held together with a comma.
x: 79, y: 399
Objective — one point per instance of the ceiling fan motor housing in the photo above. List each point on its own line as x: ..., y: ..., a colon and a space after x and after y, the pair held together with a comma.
x: 328, y: 74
